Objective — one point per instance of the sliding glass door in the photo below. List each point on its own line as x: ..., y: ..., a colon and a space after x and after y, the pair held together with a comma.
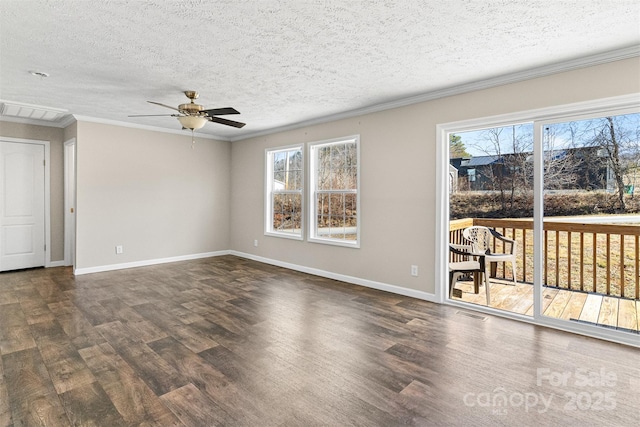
x: 562, y: 187
x: 591, y: 224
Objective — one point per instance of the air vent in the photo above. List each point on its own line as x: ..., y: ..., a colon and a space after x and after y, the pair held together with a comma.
x: 473, y: 316
x: 27, y: 111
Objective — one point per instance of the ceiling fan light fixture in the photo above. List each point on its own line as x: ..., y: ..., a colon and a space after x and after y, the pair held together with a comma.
x: 192, y: 122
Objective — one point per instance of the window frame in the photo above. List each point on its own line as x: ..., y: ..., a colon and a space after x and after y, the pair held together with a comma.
x: 269, y: 192
x: 313, y: 235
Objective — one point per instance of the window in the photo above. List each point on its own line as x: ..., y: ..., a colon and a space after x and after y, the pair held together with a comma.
x: 471, y: 173
x: 334, y: 200
x: 285, y: 176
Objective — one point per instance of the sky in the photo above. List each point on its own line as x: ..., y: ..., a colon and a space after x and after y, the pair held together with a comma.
x: 478, y: 143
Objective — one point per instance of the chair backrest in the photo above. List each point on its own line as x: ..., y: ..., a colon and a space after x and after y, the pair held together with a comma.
x: 479, y: 237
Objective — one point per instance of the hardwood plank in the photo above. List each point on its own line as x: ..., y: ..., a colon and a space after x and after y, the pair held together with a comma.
x: 591, y: 309
x: 36, y: 310
x: 133, y: 399
x: 142, y: 329
x: 11, y: 315
x: 153, y: 370
x: 14, y: 339
x: 95, y: 313
x: 8, y: 296
x: 209, y: 380
x: 32, y: 397
x: 79, y: 330
x: 627, y: 315
x: 5, y: 408
x: 50, y: 291
x: 608, y: 312
x: 90, y: 406
x: 14, y: 330
x: 189, y: 337
x: 194, y: 408
x: 65, y: 366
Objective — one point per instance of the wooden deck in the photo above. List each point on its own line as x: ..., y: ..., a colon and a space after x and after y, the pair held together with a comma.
x: 606, y: 311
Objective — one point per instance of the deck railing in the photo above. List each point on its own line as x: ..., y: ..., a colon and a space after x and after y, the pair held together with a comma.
x: 599, y: 258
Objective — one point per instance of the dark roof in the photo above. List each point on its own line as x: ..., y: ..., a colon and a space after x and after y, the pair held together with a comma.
x: 481, y: 161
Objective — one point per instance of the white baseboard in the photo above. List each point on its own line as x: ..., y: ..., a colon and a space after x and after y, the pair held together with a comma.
x: 309, y: 270
x: 111, y: 267
x: 343, y: 278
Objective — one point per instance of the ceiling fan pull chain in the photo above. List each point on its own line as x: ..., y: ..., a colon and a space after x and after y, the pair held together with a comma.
x: 193, y: 141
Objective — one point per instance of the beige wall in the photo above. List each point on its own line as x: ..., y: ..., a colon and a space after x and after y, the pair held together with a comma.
x: 149, y: 192
x: 55, y: 137
x: 398, y: 175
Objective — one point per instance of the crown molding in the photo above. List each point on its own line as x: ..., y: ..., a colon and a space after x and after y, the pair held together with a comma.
x: 67, y: 120
x: 542, y: 71
x: 89, y: 119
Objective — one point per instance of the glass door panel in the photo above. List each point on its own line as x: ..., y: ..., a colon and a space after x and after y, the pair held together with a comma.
x: 591, y: 221
x: 491, y: 195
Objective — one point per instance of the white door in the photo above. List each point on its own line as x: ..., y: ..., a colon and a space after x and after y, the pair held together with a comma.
x: 22, y: 208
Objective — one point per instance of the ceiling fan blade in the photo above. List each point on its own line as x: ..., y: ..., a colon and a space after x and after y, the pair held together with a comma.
x: 220, y: 111
x: 226, y: 122
x: 163, y: 105
x: 153, y: 115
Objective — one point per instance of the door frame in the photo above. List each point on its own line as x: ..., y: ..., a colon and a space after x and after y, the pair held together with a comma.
x: 47, y: 189
x: 70, y: 202
x: 621, y: 104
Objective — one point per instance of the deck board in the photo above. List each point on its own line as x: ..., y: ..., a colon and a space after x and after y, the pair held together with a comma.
x: 574, y: 306
x: 627, y: 315
x: 563, y: 304
x: 591, y: 309
x: 608, y: 315
x: 558, y: 304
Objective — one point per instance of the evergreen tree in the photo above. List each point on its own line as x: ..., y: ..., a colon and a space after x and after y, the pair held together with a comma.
x: 456, y: 147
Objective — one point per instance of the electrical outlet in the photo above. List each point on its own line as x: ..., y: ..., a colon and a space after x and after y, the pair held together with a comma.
x: 414, y: 270
x: 255, y: 243
x: 119, y: 249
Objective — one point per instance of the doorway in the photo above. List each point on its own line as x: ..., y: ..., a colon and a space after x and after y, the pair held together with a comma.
x: 70, y: 202
x: 23, y: 204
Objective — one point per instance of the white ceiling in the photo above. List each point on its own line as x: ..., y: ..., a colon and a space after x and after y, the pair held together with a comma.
x: 281, y: 63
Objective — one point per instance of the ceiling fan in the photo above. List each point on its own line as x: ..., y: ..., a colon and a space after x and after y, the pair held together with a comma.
x: 193, y: 116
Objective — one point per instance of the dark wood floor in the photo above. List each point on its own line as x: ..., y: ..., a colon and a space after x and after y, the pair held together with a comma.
x: 227, y: 341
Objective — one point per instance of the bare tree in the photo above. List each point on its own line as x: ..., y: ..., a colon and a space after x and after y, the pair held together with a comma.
x: 616, y: 137
x: 560, y: 163
x: 511, y: 170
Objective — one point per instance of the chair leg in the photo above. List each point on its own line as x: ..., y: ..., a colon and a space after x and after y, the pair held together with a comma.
x: 453, y: 278
x: 513, y: 271
x: 486, y: 288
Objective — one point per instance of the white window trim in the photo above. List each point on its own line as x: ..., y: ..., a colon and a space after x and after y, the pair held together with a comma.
x: 268, y: 211
x: 590, y: 109
x: 313, y: 231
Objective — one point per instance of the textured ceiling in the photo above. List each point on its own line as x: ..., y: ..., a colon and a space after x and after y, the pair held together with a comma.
x: 285, y: 62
